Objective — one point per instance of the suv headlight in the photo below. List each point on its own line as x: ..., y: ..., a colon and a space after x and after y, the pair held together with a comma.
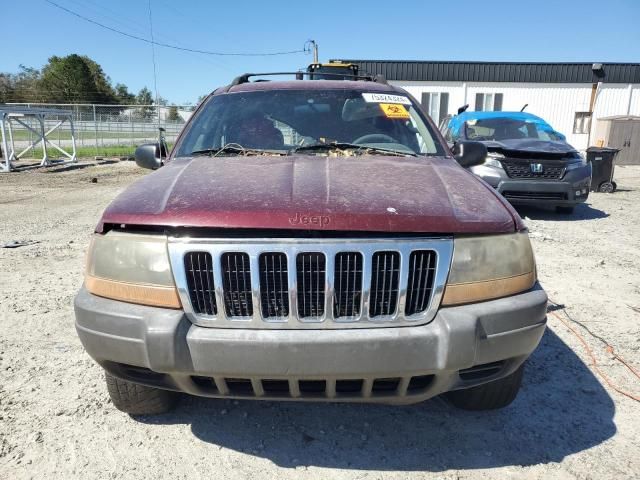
x: 578, y: 162
x: 488, y: 267
x: 493, y: 159
x: 131, y: 268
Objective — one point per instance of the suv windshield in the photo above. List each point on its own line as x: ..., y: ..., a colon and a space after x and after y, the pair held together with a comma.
x: 508, y: 129
x: 300, y: 120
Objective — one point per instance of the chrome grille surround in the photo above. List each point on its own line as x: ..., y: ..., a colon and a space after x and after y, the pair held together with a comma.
x: 291, y: 247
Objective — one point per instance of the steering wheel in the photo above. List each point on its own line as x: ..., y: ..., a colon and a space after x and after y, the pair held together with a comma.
x: 375, y: 138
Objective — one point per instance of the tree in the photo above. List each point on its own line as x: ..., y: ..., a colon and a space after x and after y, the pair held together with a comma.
x: 144, y: 98
x: 123, y: 95
x: 20, y: 87
x: 173, y: 115
x: 102, y: 83
x: 6, y: 88
x: 27, y: 85
x: 73, y: 79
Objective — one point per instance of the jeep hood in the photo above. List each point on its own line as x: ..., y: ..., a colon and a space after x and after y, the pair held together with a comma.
x: 359, y: 193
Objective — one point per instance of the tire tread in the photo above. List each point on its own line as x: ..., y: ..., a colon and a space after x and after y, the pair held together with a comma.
x: 490, y: 396
x: 138, y: 399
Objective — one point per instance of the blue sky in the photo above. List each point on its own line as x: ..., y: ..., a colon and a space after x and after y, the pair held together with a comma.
x: 502, y: 30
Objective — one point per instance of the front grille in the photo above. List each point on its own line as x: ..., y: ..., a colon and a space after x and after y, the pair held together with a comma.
x: 523, y: 170
x: 509, y: 194
x: 274, y: 289
x: 198, y: 267
x: 384, y: 283
x: 347, y: 284
x: 293, y: 283
x: 422, y: 268
x: 310, y: 269
x: 236, y: 282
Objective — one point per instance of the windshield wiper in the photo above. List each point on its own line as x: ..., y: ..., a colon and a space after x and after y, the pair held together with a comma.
x: 344, y: 146
x: 237, y: 149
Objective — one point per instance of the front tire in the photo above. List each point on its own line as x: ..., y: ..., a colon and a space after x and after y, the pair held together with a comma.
x: 136, y: 399
x: 490, y: 396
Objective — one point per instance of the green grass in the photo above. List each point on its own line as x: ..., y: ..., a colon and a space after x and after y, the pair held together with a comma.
x: 85, y: 135
x: 106, y: 151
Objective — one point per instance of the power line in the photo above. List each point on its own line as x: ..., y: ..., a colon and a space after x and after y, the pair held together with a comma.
x: 153, y: 57
x: 166, y: 45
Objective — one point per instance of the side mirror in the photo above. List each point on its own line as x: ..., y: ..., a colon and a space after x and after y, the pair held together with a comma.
x: 469, y: 154
x: 148, y: 156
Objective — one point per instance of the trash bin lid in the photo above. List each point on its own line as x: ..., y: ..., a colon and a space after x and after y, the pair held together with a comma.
x: 602, y: 150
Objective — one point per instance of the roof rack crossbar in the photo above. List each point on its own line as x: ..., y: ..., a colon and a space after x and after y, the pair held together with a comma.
x: 244, y: 78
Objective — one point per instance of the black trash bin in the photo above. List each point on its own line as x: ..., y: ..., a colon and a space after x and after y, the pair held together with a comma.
x: 602, y: 167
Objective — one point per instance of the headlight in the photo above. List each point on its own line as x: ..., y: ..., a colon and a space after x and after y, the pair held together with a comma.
x: 577, y: 163
x: 488, y: 267
x: 493, y: 159
x: 132, y: 268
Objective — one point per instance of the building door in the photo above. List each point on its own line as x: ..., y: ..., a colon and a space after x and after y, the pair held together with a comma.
x: 634, y: 144
x: 625, y: 136
x: 436, y: 104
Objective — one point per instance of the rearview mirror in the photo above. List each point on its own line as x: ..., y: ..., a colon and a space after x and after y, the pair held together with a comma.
x: 148, y: 155
x: 469, y: 154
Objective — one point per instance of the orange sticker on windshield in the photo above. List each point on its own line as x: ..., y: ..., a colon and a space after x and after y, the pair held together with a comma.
x: 394, y: 110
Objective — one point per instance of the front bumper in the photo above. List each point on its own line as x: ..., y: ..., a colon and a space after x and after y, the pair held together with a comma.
x: 462, y: 347
x: 561, y: 192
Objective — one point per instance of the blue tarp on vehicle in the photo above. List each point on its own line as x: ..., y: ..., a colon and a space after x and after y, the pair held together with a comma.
x: 457, y: 121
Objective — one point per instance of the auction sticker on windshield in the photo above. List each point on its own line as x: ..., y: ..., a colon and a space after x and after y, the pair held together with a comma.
x: 394, y: 110
x: 385, y: 98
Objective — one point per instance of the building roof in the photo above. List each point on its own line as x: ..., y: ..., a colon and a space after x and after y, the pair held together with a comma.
x: 437, y: 71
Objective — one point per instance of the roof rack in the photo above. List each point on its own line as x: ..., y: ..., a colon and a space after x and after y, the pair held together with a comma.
x: 244, y: 78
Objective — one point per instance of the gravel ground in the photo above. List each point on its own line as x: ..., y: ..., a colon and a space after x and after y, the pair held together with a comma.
x: 56, y: 420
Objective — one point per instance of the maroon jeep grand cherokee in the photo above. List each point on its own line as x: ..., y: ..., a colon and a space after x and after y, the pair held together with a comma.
x: 310, y: 240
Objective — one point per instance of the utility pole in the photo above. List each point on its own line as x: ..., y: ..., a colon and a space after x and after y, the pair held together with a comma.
x: 314, y: 45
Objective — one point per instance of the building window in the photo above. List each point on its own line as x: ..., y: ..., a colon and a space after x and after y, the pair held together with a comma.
x: 582, y: 122
x: 488, y: 102
x: 436, y: 104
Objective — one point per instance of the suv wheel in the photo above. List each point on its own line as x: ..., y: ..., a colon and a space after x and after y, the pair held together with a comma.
x: 139, y: 399
x: 492, y: 395
x: 567, y: 210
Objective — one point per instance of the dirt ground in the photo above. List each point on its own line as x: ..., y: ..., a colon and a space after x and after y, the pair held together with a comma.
x: 56, y: 420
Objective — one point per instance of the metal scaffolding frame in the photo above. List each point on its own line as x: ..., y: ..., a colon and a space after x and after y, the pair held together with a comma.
x: 8, y: 115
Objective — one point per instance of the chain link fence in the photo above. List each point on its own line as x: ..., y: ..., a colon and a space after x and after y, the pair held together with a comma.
x: 106, y: 130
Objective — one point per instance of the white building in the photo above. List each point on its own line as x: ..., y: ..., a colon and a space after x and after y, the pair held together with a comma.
x: 569, y: 96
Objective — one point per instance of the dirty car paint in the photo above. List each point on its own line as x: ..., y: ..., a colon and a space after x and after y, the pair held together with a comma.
x: 306, y: 192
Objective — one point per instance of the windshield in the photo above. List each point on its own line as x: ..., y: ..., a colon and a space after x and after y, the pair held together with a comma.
x: 508, y: 129
x: 300, y: 120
